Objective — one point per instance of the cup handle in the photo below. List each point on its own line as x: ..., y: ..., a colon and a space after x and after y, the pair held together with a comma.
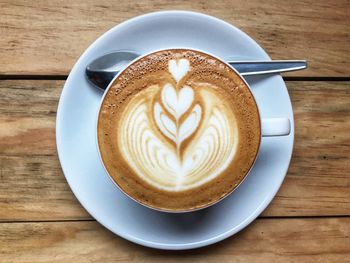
x: 275, y: 127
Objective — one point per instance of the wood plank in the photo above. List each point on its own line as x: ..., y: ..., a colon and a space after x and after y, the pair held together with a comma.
x: 266, y: 240
x: 32, y: 183
x: 318, y: 180
x: 33, y: 188
x: 28, y: 124
x: 47, y: 37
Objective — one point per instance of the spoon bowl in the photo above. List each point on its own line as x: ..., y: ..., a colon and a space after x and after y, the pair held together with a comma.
x: 102, y: 70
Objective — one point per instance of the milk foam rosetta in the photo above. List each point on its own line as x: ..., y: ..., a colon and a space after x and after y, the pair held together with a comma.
x: 176, y: 136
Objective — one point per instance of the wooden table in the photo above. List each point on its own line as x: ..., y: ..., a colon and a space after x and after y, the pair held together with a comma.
x: 40, y: 219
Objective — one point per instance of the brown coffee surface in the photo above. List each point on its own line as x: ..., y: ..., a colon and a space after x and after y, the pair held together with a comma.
x: 178, y: 130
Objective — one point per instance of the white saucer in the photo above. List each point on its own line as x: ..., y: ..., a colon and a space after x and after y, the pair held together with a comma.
x: 76, y: 142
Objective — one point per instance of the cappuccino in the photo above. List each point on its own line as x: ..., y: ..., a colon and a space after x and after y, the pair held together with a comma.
x: 178, y: 130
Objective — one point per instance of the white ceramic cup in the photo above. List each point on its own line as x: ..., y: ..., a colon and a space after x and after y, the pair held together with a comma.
x: 269, y: 127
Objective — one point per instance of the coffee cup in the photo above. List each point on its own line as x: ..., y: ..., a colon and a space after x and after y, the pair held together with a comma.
x: 179, y: 129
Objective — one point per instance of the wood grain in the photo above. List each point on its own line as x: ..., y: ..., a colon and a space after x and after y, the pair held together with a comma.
x: 266, y: 240
x: 46, y: 37
x: 32, y: 186
x: 318, y: 180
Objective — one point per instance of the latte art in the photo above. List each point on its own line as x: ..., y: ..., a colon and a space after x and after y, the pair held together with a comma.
x: 178, y: 130
x: 185, y: 142
x: 177, y: 106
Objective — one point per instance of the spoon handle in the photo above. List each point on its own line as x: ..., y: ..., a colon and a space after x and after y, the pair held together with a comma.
x: 246, y: 68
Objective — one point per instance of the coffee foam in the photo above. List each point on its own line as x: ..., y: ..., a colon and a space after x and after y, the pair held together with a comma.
x: 178, y: 121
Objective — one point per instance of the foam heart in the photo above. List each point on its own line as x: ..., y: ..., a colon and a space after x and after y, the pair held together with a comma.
x: 179, y: 68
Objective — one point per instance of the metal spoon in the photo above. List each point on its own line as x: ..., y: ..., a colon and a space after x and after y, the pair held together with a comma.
x: 102, y: 70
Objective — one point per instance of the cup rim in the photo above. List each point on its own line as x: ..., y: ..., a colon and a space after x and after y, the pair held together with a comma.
x: 177, y: 211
